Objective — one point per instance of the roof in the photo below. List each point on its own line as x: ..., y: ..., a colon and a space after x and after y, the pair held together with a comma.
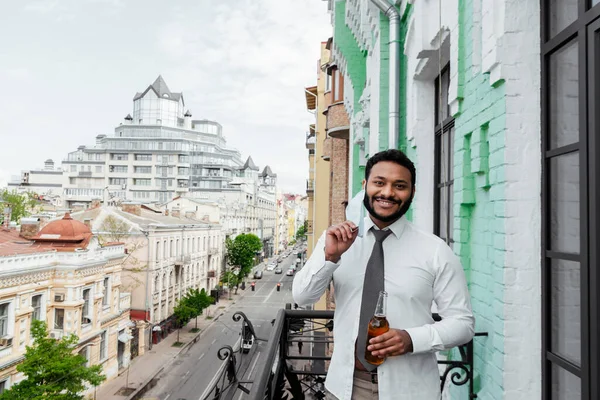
x: 65, y: 234
x: 249, y: 164
x: 311, y: 97
x: 161, y: 89
x: 12, y: 244
x: 267, y: 172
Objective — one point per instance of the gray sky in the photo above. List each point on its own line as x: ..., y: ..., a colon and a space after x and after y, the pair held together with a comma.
x: 69, y: 70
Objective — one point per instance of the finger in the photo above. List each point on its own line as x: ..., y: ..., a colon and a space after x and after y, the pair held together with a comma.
x: 348, y: 230
x: 382, y: 345
x: 337, y: 234
x: 395, y: 349
x: 342, y: 232
x: 352, y: 225
x: 383, y: 337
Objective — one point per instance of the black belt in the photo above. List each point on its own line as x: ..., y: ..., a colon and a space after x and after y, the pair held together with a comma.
x: 366, y: 376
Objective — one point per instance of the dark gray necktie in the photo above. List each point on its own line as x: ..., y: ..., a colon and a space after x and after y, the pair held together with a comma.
x: 373, y: 284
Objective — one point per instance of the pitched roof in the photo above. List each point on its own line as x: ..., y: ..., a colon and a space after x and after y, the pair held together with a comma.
x: 267, y: 172
x: 161, y: 89
x: 249, y: 164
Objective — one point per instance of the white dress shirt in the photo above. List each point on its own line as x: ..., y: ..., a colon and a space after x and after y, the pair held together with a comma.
x: 419, y: 269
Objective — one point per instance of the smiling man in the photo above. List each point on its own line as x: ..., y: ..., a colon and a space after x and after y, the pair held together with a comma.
x: 414, y: 267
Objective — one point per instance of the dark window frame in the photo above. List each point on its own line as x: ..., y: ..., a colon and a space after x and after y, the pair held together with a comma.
x: 585, y: 31
x: 444, y: 129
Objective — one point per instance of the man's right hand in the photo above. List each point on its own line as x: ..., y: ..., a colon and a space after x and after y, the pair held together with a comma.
x: 338, y: 239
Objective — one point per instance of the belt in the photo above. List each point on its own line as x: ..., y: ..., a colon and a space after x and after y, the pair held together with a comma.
x: 366, y: 376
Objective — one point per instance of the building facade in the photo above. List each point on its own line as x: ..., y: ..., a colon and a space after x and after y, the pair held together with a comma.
x: 46, y: 182
x: 61, y: 275
x: 168, y: 254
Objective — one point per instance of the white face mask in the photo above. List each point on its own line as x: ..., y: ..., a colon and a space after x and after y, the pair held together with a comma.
x: 355, y: 211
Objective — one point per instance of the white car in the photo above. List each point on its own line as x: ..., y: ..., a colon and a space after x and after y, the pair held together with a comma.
x: 271, y: 267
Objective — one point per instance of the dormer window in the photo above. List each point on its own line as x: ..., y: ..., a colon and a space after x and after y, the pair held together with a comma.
x: 166, y: 96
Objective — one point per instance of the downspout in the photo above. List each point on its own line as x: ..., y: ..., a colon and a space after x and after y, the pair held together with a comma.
x: 394, y: 45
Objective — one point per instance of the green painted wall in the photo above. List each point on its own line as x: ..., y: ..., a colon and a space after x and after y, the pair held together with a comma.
x: 479, y: 186
x: 384, y: 82
x: 356, y: 65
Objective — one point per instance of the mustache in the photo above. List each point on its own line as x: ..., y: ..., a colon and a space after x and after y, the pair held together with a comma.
x: 398, y: 202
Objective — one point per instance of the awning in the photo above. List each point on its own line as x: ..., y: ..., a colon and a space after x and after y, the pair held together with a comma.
x: 124, y: 337
x: 311, y: 97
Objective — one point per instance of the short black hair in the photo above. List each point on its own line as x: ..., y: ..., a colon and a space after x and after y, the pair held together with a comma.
x: 395, y: 156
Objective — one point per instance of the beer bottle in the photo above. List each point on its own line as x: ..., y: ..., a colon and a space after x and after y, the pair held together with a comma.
x: 377, y: 326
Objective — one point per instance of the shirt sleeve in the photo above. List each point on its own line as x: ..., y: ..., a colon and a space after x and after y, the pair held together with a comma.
x: 451, y: 295
x: 312, y: 279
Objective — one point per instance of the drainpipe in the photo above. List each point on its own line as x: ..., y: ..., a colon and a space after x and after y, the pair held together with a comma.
x: 394, y: 44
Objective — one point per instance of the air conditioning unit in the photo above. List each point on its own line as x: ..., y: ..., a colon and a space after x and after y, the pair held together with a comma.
x: 6, y: 341
x: 59, y: 297
x: 56, y: 334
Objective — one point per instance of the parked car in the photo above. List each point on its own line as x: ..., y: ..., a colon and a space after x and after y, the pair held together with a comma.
x: 290, y: 272
x: 278, y: 270
x: 247, y: 340
x: 258, y: 275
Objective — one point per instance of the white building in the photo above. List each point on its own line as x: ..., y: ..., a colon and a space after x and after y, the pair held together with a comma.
x: 47, y: 182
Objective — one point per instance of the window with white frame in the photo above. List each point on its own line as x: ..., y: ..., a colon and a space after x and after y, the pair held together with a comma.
x: 4, y: 319
x: 103, y: 346
x: 85, y: 312
x: 59, y: 318
x: 3, y: 385
x: 36, y: 304
x: 106, y: 298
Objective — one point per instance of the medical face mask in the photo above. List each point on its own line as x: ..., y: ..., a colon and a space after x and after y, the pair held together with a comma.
x: 355, y: 212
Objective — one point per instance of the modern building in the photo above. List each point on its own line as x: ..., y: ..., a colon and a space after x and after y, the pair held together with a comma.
x: 493, y: 114
x: 168, y: 253
x: 46, y: 182
x: 63, y: 276
x: 153, y: 156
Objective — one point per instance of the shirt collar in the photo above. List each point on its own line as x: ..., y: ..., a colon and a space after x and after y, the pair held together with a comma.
x: 397, y: 227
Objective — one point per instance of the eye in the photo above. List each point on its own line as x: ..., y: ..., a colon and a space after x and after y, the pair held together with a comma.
x: 401, y: 186
x: 378, y: 183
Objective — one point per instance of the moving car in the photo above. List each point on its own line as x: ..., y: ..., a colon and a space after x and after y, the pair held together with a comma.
x: 290, y: 272
x: 258, y: 275
x: 271, y: 266
x: 278, y: 270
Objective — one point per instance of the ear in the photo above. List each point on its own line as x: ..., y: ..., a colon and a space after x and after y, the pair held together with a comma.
x: 364, y: 184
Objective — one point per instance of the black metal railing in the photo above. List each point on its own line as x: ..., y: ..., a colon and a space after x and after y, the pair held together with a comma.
x: 284, y: 372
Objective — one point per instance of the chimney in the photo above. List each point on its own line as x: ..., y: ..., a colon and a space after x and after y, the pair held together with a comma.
x: 132, y: 208
x: 49, y: 165
x: 175, y: 212
x: 167, y: 212
x: 95, y: 203
x: 29, y: 227
x: 205, y: 218
x: 88, y: 222
x: 128, y: 119
x: 187, y: 120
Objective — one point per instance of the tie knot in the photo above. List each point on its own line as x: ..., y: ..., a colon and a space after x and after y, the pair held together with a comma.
x: 380, y: 235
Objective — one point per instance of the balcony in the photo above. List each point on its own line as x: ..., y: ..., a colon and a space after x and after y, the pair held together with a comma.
x: 211, y: 274
x: 338, y: 125
x: 125, y: 301
x: 281, y: 368
x: 310, y: 186
x: 213, y: 251
x: 181, y: 260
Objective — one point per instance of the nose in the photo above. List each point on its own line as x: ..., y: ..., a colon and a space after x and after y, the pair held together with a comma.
x: 387, y: 191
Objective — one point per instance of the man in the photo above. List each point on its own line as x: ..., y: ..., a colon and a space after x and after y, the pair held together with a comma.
x: 414, y: 267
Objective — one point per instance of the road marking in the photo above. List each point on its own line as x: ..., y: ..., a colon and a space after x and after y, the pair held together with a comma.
x: 267, y: 299
x: 251, y: 370
x: 186, y: 374
x: 201, y: 356
x: 224, y: 329
x: 214, y: 341
x: 169, y: 395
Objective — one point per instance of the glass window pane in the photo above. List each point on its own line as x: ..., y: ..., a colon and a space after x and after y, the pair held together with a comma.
x: 451, y: 154
x: 564, y: 96
x: 565, y: 385
x: 565, y: 302
x: 562, y: 14
x: 444, y: 157
x: 451, y: 212
x: 564, y: 203
x: 443, y: 211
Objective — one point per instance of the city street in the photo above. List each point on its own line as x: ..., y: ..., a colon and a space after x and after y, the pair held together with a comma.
x: 193, y: 370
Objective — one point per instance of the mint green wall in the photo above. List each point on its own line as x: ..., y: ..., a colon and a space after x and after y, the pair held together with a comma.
x: 384, y: 82
x: 479, y: 229
x: 356, y: 65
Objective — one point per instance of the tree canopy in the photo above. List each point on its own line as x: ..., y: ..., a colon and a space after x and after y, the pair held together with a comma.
x: 52, y: 370
x: 241, y: 252
x: 21, y: 204
x: 301, y: 232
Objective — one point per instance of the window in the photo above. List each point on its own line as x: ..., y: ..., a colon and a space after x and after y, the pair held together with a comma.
x: 142, y: 170
x: 84, y: 353
x: 106, y: 298
x: 72, y: 181
x: 36, y: 303
x: 4, y: 319
x: 59, y: 318
x: 103, y: 346
x: 156, y: 256
x: 338, y: 86
x: 85, y: 311
x: 142, y: 182
x: 444, y: 160
x: 117, y: 181
x: 118, y: 168
x: 143, y: 157
x: 119, y: 157
x: 99, y: 169
x: 3, y: 386
x: 73, y: 168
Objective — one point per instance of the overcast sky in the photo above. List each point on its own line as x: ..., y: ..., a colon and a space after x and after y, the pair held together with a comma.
x: 69, y: 70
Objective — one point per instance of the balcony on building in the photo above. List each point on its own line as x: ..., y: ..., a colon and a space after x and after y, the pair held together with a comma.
x: 183, y: 260
x: 310, y: 186
x: 281, y: 369
x: 311, y: 137
x: 338, y: 123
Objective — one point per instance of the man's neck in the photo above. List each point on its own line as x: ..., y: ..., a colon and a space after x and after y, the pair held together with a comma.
x: 382, y: 224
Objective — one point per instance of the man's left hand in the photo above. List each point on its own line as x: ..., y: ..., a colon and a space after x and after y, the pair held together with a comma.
x: 394, y: 342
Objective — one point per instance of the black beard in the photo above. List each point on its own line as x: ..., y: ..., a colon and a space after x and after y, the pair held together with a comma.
x: 368, y: 203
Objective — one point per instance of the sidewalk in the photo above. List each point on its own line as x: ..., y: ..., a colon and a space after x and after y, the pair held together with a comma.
x: 143, y: 368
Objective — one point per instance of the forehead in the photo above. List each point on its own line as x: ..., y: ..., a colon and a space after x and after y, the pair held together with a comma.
x: 391, y: 171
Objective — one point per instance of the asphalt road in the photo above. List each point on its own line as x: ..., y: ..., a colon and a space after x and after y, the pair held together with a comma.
x: 192, y: 372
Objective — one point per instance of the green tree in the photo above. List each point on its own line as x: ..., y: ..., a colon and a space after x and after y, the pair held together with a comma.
x: 183, y: 313
x: 301, y: 232
x: 241, y: 252
x: 21, y: 204
x: 232, y: 279
x: 52, y: 370
x: 198, y: 300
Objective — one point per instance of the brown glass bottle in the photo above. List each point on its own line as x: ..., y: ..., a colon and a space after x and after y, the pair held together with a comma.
x: 378, y: 325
